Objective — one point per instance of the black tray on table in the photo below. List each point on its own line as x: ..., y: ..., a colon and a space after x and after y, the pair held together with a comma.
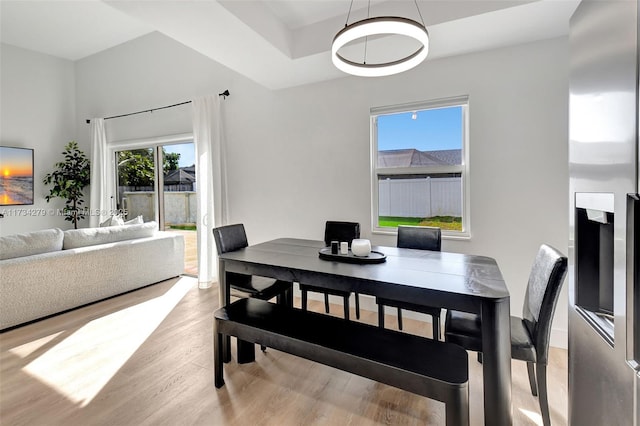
x: 373, y: 257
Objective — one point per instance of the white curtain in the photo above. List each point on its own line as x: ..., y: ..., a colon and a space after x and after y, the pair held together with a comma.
x: 99, y: 201
x: 212, y: 183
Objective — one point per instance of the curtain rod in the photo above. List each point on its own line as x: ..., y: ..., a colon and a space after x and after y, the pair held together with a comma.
x: 223, y: 94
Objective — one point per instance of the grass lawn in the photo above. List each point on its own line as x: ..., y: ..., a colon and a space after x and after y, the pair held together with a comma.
x: 450, y: 223
x: 182, y: 226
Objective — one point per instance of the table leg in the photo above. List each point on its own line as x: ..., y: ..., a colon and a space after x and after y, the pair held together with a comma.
x: 496, y: 365
x: 224, y: 300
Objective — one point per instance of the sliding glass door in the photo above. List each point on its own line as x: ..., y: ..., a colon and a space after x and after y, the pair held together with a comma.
x: 158, y: 182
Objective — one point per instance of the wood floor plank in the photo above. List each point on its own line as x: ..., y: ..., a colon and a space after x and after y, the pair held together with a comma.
x: 146, y: 358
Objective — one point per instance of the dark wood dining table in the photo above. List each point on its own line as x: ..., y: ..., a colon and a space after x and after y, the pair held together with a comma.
x: 455, y: 281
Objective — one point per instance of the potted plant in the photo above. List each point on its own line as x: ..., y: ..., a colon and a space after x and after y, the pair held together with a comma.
x: 69, y: 180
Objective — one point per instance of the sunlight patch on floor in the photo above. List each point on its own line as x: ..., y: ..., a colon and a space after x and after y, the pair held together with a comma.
x: 73, y: 372
x: 536, y: 418
x: 27, y: 349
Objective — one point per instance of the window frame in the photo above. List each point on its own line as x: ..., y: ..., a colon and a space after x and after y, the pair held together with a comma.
x: 463, y: 169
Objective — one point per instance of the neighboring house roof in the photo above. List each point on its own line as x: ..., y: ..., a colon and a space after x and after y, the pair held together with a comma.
x: 179, y: 176
x: 412, y: 157
x: 190, y: 169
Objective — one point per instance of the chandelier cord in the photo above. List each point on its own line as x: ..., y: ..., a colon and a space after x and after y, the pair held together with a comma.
x: 419, y: 13
x: 346, y: 24
x: 366, y: 39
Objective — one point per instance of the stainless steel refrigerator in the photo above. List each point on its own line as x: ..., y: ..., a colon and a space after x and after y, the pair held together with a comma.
x: 604, y: 292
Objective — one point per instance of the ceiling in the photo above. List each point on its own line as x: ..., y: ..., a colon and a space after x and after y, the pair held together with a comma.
x: 277, y: 43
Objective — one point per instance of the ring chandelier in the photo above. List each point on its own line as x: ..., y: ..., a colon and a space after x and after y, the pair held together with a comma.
x: 382, y: 25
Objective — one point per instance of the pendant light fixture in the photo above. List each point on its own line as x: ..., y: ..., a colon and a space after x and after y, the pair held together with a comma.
x: 382, y: 25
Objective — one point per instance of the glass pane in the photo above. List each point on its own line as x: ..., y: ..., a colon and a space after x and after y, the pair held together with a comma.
x: 180, y: 198
x: 421, y: 138
x: 136, y: 184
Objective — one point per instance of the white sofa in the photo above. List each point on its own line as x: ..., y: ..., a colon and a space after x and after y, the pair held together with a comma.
x: 51, y: 271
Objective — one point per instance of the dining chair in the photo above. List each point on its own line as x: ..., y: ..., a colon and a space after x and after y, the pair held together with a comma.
x: 530, y: 334
x: 233, y: 237
x: 420, y: 238
x: 335, y: 231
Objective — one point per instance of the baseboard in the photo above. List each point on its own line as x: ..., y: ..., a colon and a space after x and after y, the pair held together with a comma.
x: 559, y: 338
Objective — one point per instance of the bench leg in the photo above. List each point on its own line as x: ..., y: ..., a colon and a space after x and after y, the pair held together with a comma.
x: 381, y: 316
x: 246, y: 352
x: 304, y: 299
x: 326, y: 303
x: 357, y: 297
x: 217, y: 360
x: 457, y: 407
x: 399, y: 319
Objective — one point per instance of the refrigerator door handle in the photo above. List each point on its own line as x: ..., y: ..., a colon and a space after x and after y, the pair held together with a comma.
x: 632, y: 281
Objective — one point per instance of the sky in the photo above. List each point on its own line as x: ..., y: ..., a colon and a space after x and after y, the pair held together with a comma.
x: 432, y: 130
x: 16, y: 162
x: 186, y: 151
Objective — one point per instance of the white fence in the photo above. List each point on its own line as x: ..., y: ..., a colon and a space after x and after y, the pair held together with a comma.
x: 420, y: 197
x: 179, y: 206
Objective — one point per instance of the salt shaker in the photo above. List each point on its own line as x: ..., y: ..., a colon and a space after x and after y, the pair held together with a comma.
x: 344, y: 247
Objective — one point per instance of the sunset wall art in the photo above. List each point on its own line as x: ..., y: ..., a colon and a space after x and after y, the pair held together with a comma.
x: 16, y: 179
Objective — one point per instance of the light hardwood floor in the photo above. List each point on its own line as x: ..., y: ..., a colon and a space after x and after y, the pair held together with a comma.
x: 190, y: 251
x: 146, y: 358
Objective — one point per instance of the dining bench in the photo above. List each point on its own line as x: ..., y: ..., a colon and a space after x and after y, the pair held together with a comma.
x: 434, y: 369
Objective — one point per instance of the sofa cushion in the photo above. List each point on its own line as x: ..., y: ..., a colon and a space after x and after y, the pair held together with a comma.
x: 76, y: 238
x: 20, y: 245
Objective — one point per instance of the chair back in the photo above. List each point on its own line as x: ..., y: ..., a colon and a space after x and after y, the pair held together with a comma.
x: 419, y: 237
x: 341, y: 231
x: 230, y: 238
x: 545, y: 281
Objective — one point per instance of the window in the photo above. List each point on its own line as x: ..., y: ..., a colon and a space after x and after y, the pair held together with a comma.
x: 420, y: 166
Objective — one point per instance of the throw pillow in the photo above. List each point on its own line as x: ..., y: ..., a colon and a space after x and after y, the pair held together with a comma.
x: 114, y: 220
x: 31, y: 243
x: 135, y: 221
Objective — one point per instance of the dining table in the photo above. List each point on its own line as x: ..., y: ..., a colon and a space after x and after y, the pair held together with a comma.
x: 462, y: 282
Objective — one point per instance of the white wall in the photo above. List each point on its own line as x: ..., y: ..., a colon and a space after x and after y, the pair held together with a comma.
x: 37, y: 110
x: 300, y: 156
